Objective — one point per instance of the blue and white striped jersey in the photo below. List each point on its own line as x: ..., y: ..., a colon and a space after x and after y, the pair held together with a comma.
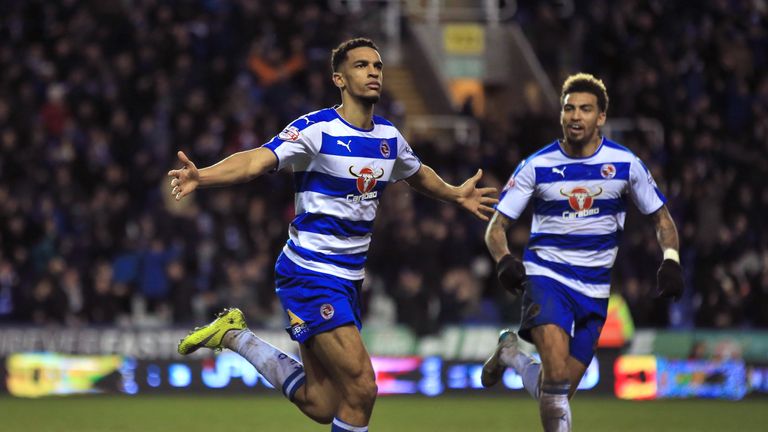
x: 340, y: 173
x: 579, y: 207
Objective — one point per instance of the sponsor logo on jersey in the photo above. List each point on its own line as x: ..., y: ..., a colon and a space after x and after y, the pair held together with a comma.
x: 366, y: 181
x: 608, y: 171
x: 384, y: 148
x: 290, y: 133
x: 326, y: 311
x: 581, y: 199
x: 296, y: 325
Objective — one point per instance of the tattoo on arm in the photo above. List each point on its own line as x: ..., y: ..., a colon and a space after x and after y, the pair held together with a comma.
x: 496, y: 235
x: 666, y: 232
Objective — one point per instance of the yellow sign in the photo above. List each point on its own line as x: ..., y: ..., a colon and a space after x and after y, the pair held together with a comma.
x: 41, y: 374
x: 464, y: 39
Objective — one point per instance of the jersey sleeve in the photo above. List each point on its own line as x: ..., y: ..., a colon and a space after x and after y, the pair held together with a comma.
x: 293, y: 144
x: 643, y: 190
x: 407, y: 163
x: 518, y: 191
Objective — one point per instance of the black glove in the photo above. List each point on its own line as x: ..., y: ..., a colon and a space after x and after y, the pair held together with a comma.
x: 511, y: 274
x: 669, y: 280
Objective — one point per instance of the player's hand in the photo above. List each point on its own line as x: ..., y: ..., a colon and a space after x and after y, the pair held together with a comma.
x: 475, y: 199
x: 670, y: 280
x: 511, y: 274
x: 184, y: 180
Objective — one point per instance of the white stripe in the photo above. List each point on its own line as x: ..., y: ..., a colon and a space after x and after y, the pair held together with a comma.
x: 610, y: 188
x: 605, y: 154
x: 314, y: 202
x: 339, y: 166
x: 589, y: 290
x: 292, y: 384
x: 586, y: 258
x: 329, y: 244
x: 324, y: 268
x: 588, y: 225
x: 350, y: 428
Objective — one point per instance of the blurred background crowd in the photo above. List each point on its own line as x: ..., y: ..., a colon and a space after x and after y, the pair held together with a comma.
x: 97, y: 97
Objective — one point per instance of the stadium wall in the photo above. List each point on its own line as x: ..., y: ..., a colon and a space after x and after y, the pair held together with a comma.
x: 40, y: 362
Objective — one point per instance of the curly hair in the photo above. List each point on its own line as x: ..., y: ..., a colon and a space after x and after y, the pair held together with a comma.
x: 586, y: 83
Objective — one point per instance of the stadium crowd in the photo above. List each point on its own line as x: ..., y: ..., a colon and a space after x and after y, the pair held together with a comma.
x: 96, y: 99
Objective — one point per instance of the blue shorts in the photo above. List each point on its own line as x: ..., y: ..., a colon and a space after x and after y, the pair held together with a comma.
x: 547, y: 301
x: 315, y: 302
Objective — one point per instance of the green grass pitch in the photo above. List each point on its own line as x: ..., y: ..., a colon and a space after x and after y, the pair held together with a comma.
x: 398, y: 414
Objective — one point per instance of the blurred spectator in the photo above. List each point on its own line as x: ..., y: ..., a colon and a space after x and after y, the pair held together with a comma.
x: 87, y: 231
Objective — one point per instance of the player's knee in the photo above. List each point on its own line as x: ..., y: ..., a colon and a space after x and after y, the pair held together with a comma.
x: 363, y: 391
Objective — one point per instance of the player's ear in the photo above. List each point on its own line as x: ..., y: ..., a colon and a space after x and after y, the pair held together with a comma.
x: 338, y: 80
x: 601, y: 118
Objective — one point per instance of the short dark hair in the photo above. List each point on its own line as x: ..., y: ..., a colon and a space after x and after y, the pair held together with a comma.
x: 586, y: 83
x: 339, y: 54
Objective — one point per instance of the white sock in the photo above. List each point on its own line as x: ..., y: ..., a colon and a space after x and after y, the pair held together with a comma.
x: 530, y: 377
x: 554, y: 409
x: 340, y: 426
x: 525, y: 366
x: 282, y: 371
x: 515, y: 358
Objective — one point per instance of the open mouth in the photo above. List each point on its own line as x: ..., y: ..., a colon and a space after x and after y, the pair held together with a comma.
x: 575, y: 128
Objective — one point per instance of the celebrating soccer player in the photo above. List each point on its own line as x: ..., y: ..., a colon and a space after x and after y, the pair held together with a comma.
x: 342, y: 159
x: 578, y: 186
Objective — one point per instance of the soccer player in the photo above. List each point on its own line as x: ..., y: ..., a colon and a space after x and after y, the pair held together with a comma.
x: 578, y: 186
x: 342, y: 159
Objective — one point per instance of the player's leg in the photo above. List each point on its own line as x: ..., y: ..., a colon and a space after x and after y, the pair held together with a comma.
x: 552, y: 343
x: 318, y: 398
x: 576, y: 370
x: 344, y: 357
x: 229, y: 330
x: 509, y: 354
x: 545, y: 301
x: 590, y: 317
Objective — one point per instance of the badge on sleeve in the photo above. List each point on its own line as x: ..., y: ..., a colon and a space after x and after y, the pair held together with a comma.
x: 290, y: 133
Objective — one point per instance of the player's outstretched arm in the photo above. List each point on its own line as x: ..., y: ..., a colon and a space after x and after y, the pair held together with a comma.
x: 670, y: 275
x: 467, y: 195
x: 509, y: 269
x: 237, y: 168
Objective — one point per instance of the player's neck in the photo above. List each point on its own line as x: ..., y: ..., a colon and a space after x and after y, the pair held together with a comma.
x: 582, y: 150
x: 356, y: 112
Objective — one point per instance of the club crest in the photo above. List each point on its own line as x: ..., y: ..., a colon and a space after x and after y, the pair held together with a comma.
x: 384, y: 148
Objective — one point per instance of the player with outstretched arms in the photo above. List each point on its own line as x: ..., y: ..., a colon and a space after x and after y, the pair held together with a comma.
x: 342, y: 159
x: 578, y: 188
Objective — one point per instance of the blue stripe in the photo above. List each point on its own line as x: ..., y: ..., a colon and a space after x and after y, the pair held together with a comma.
x: 296, y: 387
x: 610, y: 206
x: 357, y: 146
x: 288, y: 381
x: 549, y: 148
x: 590, y: 275
x: 617, y: 146
x: 593, y: 242
x: 580, y: 171
x: 557, y: 389
x: 381, y: 121
x: 331, y: 225
x: 326, y: 184
x: 660, y: 195
x: 348, y: 261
